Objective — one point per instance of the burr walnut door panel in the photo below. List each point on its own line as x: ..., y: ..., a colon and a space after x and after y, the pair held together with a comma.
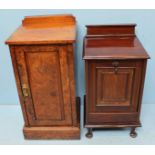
x: 43, y: 72
x: 113, y: 87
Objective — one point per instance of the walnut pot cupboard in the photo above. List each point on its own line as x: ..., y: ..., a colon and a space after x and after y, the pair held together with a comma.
x: 42, y: 51
x: 115, y: 64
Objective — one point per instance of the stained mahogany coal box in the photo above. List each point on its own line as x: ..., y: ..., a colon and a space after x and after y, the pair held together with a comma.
x: 115, y: 65
x: 42, y: 50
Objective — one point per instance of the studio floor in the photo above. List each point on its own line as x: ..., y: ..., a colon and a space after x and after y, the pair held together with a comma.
x: 11, y: 123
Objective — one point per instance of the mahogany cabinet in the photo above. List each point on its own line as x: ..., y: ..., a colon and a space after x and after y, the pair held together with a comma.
x: 115, y: 65
x: 42, y: 50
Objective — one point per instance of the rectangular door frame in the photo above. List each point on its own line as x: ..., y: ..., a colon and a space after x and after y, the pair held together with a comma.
x: 28, y: 102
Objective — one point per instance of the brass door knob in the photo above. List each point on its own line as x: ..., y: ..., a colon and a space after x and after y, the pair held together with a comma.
x: 25, y: 90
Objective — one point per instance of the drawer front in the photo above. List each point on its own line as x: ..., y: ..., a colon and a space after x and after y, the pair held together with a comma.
x: 43, y: 73
x: 113, y: 86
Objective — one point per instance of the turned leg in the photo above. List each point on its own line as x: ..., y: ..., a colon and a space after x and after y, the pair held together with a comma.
x: 89, y: 134
x: 133, y: 133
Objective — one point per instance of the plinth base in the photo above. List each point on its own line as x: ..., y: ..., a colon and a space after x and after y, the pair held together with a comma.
x: 51, y: 132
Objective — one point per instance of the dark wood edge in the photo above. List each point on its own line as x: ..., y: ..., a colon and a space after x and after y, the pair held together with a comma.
x: 114, y: 25
x: 78, y: 107
x: 39, y: 42
x: 109, y: 35
x: 114, y: 125
x: 112, y: 58
x: 84, y: 122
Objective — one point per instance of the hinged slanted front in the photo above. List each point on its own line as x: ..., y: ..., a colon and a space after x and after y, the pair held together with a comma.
x: 113, y: 42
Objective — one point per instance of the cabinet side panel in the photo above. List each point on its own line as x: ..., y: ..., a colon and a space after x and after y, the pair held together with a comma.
x: 144, y: 66
x: 18, y: 84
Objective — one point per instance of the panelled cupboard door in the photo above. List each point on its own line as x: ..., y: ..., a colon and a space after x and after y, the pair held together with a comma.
x: 116, y: 86
x: 43, y: 73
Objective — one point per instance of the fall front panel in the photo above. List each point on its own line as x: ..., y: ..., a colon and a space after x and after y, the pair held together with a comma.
x: 113, y: 90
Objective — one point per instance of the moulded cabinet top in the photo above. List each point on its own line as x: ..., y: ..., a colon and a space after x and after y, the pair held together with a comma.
x: 113, y: 42
x: 50, y: 29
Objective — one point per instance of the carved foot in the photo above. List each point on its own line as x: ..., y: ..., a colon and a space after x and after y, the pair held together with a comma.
x: 89, y: 134
x: 133, y: 133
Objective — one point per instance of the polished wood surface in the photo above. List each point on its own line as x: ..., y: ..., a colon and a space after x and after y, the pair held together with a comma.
x: 130, y: 49
x: 107, y: 30
x: 42, y: 73
x: 115, y: 64
x: 115, y: 47
x: 51, y: 133
x: 45, y: 30
x: 46, y: 85
x: 113, y: 42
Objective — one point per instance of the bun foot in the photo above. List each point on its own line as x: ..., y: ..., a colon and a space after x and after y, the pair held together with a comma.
x: 89, y: 134
x: 133, y: 133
